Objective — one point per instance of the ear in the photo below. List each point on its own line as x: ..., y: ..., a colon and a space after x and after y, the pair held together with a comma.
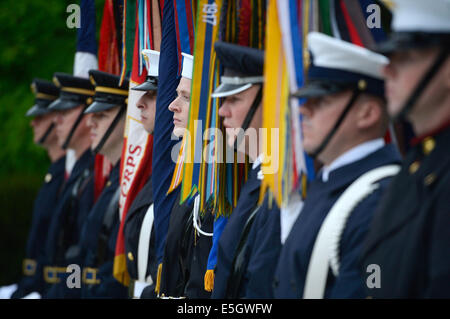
x: 369, y: 113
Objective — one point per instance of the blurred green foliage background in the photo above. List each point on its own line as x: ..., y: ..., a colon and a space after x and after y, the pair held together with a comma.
x: 34, y: 42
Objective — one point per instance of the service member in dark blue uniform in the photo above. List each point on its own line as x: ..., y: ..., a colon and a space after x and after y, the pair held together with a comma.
x: 344, y: 122
x: 241, y: 88
x: 44, y: 135
x: 141, y: 206
x: 186, y: 251
x: 106, y: 119
x: 62, y: 245
x: 407, y: 250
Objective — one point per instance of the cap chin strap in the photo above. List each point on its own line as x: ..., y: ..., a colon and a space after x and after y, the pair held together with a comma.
x: 110, y: 129
x: 46, y: 134
x: 248, y: 118
x: 74, y: 127
x: 336, y: 126
x: 426, y: 79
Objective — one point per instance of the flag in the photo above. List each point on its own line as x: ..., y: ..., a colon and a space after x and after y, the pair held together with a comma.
x: 163, y: 165
x: 86, y: 54
x: 108, y: 55
x: 276, y: 149
x: 203, y: 109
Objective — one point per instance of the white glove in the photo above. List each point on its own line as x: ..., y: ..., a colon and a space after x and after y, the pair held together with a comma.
x: 7, y: 291
x: 33, y: 295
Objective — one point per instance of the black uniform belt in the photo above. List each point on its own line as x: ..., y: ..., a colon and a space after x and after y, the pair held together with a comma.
x: 29, y: 267
x: 54, y: 274
x: 90, y: 276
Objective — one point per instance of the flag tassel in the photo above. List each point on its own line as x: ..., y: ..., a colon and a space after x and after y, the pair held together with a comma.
x: 209, y: 280
x: 158, y: 279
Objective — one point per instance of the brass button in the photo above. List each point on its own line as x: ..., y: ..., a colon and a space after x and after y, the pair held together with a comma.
x: 429, y: 179
x: 130, y: 256
x: 48, y: 177
x: 362, y: 85
x: 369, y: 297
x: 108, y: 184
x: 414, y: 167
x: 428, y: 145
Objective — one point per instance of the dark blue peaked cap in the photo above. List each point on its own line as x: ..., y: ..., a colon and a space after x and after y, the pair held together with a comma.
x: 337, y: 65
x: 45, y: 93
x: 243, y: 60
x: 108, y: 92
x: 74, y: 91
x: 243, y: 67
x: 418, y: 24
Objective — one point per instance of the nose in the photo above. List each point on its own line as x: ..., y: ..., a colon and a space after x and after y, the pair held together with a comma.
x: 58, y: 119
x: 33, y: 122
x: 174, y: 107
x: 307, y: 109
x: 90, y: 122
x: 140, y: 103
x: 388, y: 71
x: 224, y: 110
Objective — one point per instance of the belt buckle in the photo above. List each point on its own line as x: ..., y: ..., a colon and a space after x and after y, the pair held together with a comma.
x: 51, y: 274
x: 90, y: 276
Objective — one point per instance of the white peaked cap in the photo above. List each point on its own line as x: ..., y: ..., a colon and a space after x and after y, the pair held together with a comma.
x: 421, y: 16
x: 151, y: 58
x: 333, y: 53
x: 188, y: 66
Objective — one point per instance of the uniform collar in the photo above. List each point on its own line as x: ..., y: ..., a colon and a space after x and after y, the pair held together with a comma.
x: 427, y: 140
x: 58, y: 166
x: 354, y: 154
x: 85, y: 161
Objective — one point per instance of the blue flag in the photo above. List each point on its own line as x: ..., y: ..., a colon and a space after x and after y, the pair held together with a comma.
x: 86, y: 55
x: 163, y: 166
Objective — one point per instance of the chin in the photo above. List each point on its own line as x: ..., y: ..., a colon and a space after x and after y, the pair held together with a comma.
x: 231, y: 140
x: 394, y: 108
x: 308, y: 148
x: 178, y: 131
x: 148, y: 129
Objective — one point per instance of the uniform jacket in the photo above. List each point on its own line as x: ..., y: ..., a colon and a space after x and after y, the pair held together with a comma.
x: 76, y: 212
x: 229, y: 239
x: 177, y: 252
x: 200, y: 247
x: 107, y: 286
x: 263, y: 249
x: 132, y: 229
x: 410, y: 236
x: 290, y: 274
x: 43, y: 208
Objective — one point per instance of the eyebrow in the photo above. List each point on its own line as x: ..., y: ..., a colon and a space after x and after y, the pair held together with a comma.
x: 182, y: 92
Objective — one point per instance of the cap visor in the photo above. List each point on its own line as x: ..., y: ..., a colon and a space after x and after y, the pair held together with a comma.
x: 403, y: 41
x: 60, y: 104
x: 99, y: 106
x: 225, y: 90
x: 146, y: 86
x: 37, y: 110
x: 312, y: 90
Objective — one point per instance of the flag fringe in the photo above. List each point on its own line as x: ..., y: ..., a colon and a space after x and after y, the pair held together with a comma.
x: 209, y: 280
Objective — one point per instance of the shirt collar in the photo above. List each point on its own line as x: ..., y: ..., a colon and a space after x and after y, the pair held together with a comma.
x: 354, y: 154
x: 258, y: 161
